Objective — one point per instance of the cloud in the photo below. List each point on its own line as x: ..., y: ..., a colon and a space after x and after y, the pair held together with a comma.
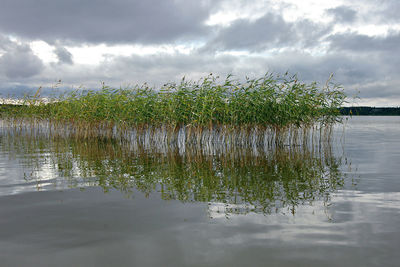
x: 381, y: 11
x: 161, y: 68
x: 240, y: 38
x: 355, y: 42
x: 269, y: 31
x: 343, y: 14
x: 355, y: 72
x: 105, y: 21
x: 244, y: 34
x: 369, y: 78
x: 63, y: 55
x: 18, y: 60
x: 309, y: 34
x: 390, y: 12
x: 5, y: 44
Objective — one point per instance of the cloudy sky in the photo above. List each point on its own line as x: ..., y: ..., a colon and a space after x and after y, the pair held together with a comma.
x: 127, y: 42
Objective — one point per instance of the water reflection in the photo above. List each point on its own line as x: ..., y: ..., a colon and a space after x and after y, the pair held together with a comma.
x: 238, y: 182
x: 338, y: 225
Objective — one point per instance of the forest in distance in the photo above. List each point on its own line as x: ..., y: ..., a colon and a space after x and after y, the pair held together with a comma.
x: 370, y: 111
x: 346, y: 111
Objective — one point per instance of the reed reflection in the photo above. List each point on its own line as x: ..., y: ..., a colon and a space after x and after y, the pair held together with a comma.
x: 244, y: 180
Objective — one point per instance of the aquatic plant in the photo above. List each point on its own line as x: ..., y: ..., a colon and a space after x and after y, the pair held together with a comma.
x: 272, y: 109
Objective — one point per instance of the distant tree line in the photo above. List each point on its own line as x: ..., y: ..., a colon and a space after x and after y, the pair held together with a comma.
x: 370, y: 111
x: 355, y: 111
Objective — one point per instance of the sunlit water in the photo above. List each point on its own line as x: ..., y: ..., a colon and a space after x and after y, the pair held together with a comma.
x: 80, y: 203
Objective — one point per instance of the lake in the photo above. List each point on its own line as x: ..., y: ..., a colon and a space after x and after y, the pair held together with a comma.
x: 65, y: 202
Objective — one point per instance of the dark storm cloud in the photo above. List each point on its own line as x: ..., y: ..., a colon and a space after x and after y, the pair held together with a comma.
x: 269, y: 31
x: 104, y: 21
x: 343, y: 14
x: 63, y: 55
x: 18, y: 60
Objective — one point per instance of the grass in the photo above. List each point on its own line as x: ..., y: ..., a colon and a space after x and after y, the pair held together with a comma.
x: 275, y: 105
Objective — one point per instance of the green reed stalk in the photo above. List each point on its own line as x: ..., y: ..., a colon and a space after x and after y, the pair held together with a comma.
x: 272, y: 101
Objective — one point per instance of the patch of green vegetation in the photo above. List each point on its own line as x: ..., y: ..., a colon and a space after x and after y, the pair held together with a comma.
x: 272, y: 102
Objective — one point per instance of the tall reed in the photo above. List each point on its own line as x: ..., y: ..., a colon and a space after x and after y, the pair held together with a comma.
x: 279, y: 106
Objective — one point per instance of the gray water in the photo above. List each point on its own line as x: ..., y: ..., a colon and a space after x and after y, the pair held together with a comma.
x: 79, y: 203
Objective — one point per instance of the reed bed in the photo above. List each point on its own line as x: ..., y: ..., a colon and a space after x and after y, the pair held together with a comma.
x: 269, y: 111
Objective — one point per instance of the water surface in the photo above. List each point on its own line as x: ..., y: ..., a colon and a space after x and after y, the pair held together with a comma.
x: 66, y: 202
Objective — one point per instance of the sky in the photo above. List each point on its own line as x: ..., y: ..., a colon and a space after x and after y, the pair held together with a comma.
x: 83, y: 43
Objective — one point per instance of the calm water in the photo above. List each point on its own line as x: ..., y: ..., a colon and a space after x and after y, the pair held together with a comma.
x: 69, y: 203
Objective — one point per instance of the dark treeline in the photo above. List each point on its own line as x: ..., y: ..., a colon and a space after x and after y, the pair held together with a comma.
x: 371, y: 111
x: 355, y: 111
